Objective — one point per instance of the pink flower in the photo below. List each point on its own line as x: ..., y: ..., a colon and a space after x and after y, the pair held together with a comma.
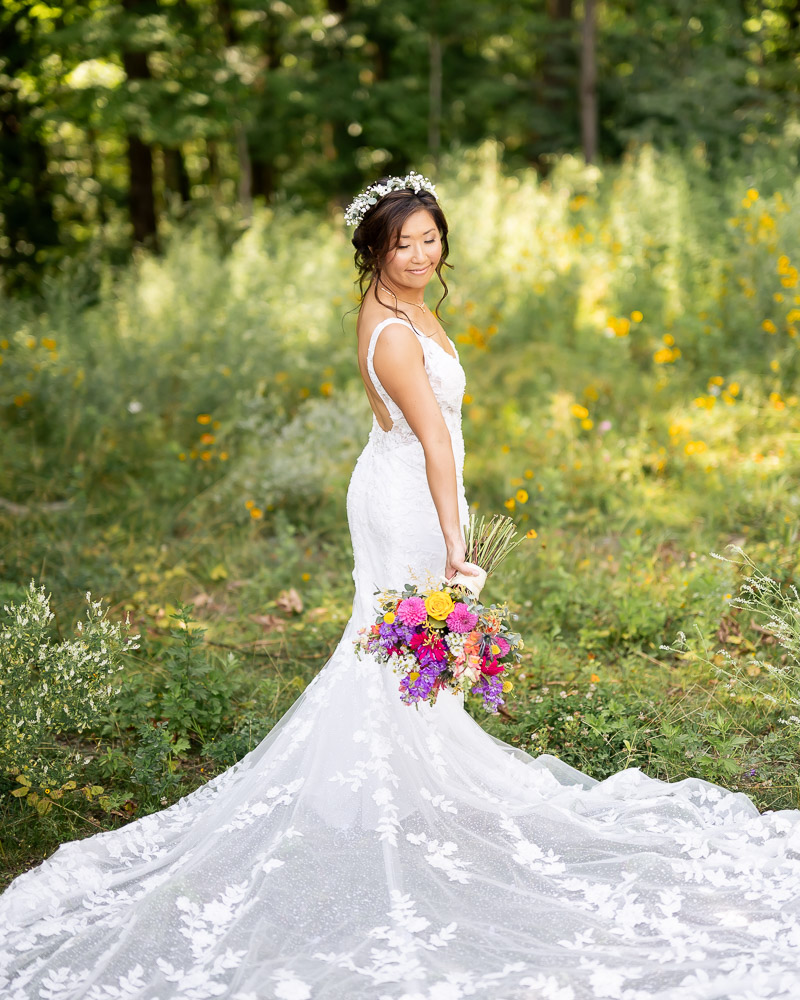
x: 502, y: 643
x: 489, y: 665
x: 461, y: 619
x: 411, y: 611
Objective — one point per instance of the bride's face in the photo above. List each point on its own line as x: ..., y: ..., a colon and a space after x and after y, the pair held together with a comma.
x: 412, y: 261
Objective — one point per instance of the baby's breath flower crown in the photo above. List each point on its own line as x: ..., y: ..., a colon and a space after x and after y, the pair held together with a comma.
x: 370, y: 196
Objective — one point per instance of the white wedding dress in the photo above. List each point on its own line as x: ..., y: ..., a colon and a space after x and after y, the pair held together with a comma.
x: 369, y: 850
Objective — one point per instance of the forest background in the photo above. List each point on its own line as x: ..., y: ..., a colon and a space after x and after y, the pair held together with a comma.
x: 180, y: 407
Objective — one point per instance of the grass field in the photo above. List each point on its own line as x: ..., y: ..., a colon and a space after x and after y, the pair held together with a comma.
x: 178, y: 436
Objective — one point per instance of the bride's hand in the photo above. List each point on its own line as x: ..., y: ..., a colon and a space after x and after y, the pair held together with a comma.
x: 457, y: 564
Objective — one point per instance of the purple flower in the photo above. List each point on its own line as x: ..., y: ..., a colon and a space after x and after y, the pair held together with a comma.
x: 412, y: 611
x: 492, y: 690
x: 461, y: 619
x: 420, y: 688
x: 395, y: 633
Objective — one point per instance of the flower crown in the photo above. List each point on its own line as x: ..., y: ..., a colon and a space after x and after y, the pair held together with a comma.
x: 370, y: 196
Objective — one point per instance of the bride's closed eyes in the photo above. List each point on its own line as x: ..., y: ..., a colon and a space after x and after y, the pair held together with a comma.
x: 405, y: 245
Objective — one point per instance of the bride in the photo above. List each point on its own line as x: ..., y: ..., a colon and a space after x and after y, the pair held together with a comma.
x: 370, y: 850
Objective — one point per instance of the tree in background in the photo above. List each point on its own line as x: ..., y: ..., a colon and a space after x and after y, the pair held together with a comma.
x: 29, y: 231
x: 117, y: 116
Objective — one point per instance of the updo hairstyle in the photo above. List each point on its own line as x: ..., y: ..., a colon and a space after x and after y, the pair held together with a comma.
x: 379, y: 231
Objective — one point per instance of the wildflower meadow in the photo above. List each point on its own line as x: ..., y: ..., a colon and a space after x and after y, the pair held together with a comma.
x: 178, y: 434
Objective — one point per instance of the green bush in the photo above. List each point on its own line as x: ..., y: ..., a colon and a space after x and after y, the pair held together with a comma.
x: 51, y: 689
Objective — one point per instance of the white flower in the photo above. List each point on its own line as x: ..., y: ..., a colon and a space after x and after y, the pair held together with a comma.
x: 370, y: 196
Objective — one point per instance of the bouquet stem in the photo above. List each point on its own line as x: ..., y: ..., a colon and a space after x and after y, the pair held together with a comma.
x: 489, y: 544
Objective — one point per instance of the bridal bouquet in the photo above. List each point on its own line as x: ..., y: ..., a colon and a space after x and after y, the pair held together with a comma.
x: 444, y: 637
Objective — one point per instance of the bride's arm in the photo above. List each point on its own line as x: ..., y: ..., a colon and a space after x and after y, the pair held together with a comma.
x: 399, y: 364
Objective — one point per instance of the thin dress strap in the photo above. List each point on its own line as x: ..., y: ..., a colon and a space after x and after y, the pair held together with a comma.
x: 391, y: 406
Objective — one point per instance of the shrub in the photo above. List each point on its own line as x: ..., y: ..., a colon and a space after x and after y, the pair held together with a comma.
x: 49, y: 688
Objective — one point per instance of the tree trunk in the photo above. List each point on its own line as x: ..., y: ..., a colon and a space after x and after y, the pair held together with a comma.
x: 176, y: 176
x: 26, y: 186
x: 245, y: 172
x: 435, y: 97
x: 556, y: 84
x: 245, y: 185
x: 141, y: 200
x: 588, y: 85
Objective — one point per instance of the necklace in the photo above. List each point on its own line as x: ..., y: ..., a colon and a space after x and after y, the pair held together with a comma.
x: 419, y: 305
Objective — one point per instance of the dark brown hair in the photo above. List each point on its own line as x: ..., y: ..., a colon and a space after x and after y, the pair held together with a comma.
x: 379, y: 231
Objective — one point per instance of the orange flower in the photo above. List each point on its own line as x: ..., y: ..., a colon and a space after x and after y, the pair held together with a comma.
x: 492, y: 621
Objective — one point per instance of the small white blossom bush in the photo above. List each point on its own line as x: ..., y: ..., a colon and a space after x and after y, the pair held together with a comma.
x: 50, y: 687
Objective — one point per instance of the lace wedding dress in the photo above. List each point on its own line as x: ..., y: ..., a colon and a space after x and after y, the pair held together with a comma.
x: 368, y: 850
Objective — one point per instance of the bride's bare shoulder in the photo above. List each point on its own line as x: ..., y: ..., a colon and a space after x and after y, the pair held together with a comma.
x: 370, y: 315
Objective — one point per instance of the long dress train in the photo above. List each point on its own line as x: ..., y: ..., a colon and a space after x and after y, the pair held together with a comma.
x: 368, y: 850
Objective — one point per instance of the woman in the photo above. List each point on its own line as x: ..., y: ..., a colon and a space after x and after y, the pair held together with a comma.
x: 368, y: 849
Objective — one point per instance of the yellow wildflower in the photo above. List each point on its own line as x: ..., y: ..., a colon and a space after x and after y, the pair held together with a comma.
x: 694, y: 447
x: 664, y: 356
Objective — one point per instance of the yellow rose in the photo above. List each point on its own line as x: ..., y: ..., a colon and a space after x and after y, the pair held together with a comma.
x: 439, y: 605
